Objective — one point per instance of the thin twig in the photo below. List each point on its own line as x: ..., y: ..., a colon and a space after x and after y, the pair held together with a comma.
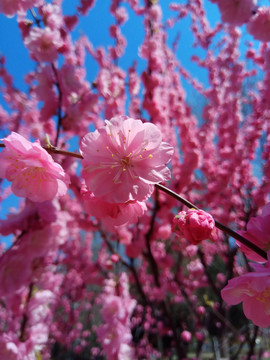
x: 59, y: 108
x: 148, y: 236
x: 25, y: 315
x: 131, y: 268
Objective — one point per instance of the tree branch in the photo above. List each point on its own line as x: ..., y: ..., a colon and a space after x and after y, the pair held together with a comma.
x: 219, y: 225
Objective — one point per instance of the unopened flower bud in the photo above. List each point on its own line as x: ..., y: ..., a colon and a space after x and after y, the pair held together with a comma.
x: 194, y: 225
x: 186, y: 336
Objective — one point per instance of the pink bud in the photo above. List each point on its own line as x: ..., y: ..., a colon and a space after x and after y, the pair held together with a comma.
x: 114, y: 258
x: 186, y: 336
x: 199, y: 336
x: 194, y: 225
x: 201, y: 310
x: 221, y: 277
x: 164, y: 231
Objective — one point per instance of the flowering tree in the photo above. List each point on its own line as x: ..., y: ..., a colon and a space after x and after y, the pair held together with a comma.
x: 124, y: 249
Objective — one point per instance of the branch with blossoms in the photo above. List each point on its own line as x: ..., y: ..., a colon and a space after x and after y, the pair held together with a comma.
x: 54, y: 150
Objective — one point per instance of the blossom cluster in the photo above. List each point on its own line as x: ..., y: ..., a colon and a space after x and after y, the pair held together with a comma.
x: 116, y: 311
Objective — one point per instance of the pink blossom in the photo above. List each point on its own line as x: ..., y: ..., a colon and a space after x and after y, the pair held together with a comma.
x: 8, y: 348
x: 155, y: 12
x: 113, y: 214
x: 15, y: 272
x: 85, y: 6
x: 37, y: 243
x: 43, y: 44
x: 134, y: 249
x: 199, y: 336
x: 236, y: 12
x: 195, y: 267
x: 259, y: 24
x: 134, y: 81
x: 201, y: 310
x: 52, y: 16
x: 10, y: 7
x: 114, y: 333
x: 253, y: 290
x: 114, y: 258
x: 164, y: 231
x: 125, y: 236
x: 39, y: 315
x: 194, y: 225
x: 31, y: 170
x: 34, y: 215
x: 121, y: 15
x: 111, y: 83
x: 186, y: 336
x: 69, y: 78
x: 258, y: 232
x: 190, y: 250
x: 113, y: 337
x: 70, y: 21
x: 124, y: 159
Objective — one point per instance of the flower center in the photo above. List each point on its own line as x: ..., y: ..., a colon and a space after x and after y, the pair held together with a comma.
x: 264, y: 296
x: 125, y: 161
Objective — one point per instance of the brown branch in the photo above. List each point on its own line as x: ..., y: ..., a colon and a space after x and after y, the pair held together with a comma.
x: 25, y: 316
x: 54, y: 150
x: 130, y: 267
x: 59, y: 108
x: 209, y: 278
x: 219, y: 225
x: 252, y: 343
x: 149, y: 253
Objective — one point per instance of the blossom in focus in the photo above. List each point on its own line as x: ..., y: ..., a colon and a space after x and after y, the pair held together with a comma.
x: 124, y: 159
x: 194, y: 225
x: 253, y: 290
x: 32, y: 171
x: 259, y: 24
x: 236, y: 12
x: 258, y: 232
x: 113, y: 215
